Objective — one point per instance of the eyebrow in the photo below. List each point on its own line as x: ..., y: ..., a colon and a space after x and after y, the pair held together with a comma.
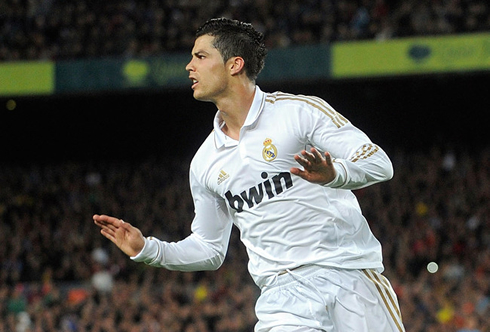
x: 200, y: 53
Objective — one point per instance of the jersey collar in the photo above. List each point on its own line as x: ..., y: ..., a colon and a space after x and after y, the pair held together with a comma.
x: 220, y: 139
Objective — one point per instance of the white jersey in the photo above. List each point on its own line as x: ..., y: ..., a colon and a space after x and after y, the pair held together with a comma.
x: 284, y: 221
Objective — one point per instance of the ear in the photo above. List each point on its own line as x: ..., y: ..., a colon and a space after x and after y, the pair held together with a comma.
x: 236, y: 65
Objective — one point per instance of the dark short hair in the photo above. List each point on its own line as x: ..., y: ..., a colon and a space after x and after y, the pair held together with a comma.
x: 235, y: 38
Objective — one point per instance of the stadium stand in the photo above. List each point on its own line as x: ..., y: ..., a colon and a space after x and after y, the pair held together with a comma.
x: 61, y: 30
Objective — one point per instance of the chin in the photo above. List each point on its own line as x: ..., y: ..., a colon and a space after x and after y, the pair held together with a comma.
x: 200, y: 97
x: 197, y: 97
x: 196, y: 94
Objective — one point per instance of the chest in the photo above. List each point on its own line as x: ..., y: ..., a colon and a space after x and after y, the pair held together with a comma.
x: 258, y: 164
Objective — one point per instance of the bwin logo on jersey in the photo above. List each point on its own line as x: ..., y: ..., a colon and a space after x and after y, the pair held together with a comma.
x: 254, y: 195
x: 269, y: 153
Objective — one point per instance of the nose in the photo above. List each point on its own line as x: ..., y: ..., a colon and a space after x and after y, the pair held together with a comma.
x: 190, y: 66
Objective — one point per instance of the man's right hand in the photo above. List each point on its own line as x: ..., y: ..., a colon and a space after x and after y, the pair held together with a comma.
x: 126, y: 237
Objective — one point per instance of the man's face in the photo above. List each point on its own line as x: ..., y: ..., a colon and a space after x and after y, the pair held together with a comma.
x: 207, y: 70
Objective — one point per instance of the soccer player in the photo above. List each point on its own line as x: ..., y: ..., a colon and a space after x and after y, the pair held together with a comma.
x: 280, y: 167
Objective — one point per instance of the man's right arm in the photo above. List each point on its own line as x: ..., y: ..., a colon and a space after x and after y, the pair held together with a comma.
x: 205, y: 248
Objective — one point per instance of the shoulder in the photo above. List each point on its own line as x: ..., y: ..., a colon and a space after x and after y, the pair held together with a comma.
x: 285, y: 98
x: 279, y: 98
x: 206, y: 149
x: 306, y: 104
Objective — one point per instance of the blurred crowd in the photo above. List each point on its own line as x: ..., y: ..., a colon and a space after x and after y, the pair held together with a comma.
x: 57, y: 273
x: 68, y: 29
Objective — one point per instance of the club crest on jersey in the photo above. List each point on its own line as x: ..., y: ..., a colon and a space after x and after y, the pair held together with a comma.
x: 269, y: 153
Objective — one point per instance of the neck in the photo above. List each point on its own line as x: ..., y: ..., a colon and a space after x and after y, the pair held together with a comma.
x: 235, y: 108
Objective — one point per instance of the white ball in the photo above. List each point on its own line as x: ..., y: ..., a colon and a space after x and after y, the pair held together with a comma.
x: 102, y: 281
x: 432, y: 267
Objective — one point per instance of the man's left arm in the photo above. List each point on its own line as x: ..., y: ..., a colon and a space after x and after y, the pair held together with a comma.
x: 343, y: 157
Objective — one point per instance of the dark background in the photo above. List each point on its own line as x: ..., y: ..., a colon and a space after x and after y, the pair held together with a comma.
x: 413, y: 113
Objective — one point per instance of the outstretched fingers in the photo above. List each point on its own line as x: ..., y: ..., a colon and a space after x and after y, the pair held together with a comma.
x: 107, y: 220
x: 328, y: 159
x: 317, y: 167
x: 109, y: 234
x: 108, y: 225
x: 314, y: 156
x: 126, y: 237
x: 309, y: 159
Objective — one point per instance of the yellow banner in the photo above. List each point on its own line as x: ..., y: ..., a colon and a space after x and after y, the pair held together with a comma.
x: 27, y: 78
x: 403, y: 56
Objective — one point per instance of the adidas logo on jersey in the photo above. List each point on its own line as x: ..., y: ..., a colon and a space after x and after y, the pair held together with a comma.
x: 222, y: 177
